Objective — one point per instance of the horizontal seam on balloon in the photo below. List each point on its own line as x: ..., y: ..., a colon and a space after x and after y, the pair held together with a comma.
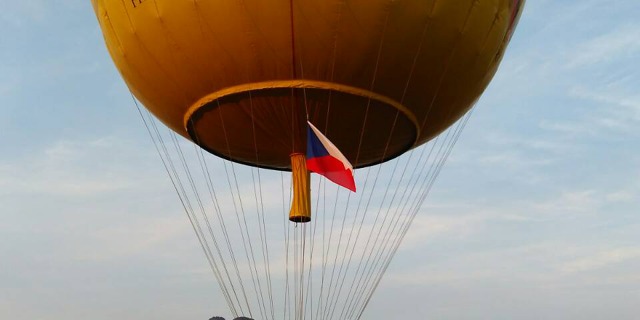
x: 301, y: 84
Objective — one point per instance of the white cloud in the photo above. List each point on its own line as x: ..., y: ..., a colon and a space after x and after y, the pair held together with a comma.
x: 601, y: 259
x: 622, y: 42
x: 624, y: 105
x: 133, y: 237
x: 568, y: 202
x: 427, y: 228
x: 622, y: 196
x: 609, y: 113
x: 548, y: 264
x: 74, y: 168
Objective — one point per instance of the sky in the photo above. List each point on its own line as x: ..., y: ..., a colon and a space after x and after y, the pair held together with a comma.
x: 534, y: 216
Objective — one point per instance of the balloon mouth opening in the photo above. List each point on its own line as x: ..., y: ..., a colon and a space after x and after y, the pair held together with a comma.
x: 299, y: 219
x: 252, y: 124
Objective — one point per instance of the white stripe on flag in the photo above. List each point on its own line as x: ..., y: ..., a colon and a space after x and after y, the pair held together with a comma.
x: 331, y: 148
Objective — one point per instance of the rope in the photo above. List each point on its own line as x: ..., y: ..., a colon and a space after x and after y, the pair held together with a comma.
x: 415, y: 211
x: 174, y: 178
x: 260, y: 213
x: 243, y: 231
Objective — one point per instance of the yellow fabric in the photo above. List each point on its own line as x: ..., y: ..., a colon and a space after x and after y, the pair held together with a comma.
x: 434, y: 57
x: 301, y: 205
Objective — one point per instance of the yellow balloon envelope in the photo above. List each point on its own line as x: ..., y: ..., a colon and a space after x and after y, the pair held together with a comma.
x: 239, y: 77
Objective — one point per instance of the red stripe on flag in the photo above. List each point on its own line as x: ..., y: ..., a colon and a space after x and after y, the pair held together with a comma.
x: 333, y: 169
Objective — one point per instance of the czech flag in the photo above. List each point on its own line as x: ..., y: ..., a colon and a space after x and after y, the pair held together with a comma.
x: 325, y: 159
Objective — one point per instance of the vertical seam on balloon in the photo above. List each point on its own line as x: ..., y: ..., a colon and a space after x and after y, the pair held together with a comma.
x: 175, y: 50
x: 447, y: 64
x: 207, y: 43
x: 419, y: 51
x: 114, y: 33
x: 259, y: 31
x: 253, y: 43
x: 293, y: 41
x: 153, y: 58
x: 333, y: 67
x: 210, y: 30
x: 303, y: 18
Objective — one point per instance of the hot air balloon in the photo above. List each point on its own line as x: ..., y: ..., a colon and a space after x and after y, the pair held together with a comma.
x: 240, y: 79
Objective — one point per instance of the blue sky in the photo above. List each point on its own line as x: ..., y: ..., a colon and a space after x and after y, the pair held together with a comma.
x: 535, y: 215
